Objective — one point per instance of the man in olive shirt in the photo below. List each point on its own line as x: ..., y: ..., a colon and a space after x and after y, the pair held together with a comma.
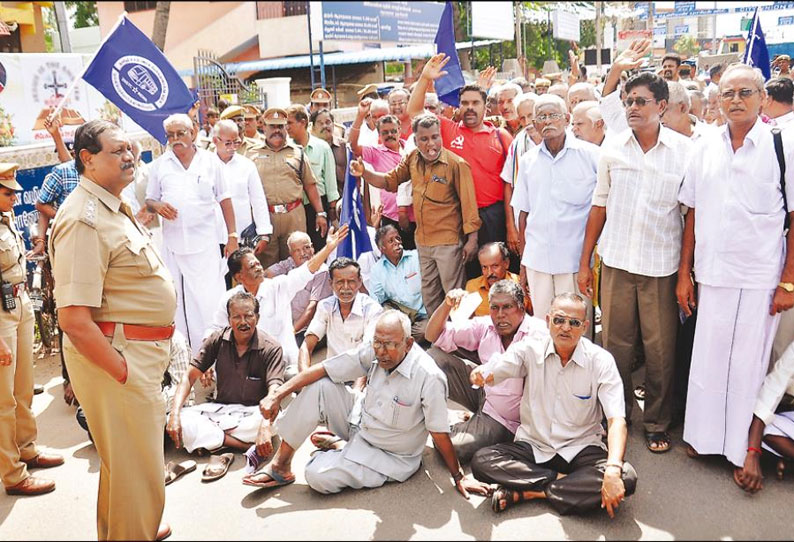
x: 116, y: 303
x: 444, y: 204
x: 285, y: 172
x: 248, y: 364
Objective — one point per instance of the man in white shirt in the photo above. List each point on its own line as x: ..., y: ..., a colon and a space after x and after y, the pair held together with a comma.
x: 248, y: 195
x: 744, y: 276
x: 570, y: 385
x: 677, y: 117
x: 553, y: 196
x: 636, y: 215
x: 588, y: 124
x: 185, y: 186
x: 778, y: 102
x: 524, y: 140
x: 274, y: 294
x: 345, y: 318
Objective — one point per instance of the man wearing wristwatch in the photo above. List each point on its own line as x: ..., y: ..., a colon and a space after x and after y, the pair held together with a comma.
x: 285, y: 171
x: 186, y: 184
x: 734, y: 241
x: 570, y: 385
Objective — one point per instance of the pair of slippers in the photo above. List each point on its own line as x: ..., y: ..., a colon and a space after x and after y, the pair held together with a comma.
x: 215, y: 469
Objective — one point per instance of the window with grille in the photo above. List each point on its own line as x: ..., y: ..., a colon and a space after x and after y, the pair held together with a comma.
x: 132, y: 7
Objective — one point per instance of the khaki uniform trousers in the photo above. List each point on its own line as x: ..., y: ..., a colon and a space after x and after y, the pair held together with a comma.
x: 442, y: 270
x: 126, y: 422
x: 283, y: 225
x: 17, y: 423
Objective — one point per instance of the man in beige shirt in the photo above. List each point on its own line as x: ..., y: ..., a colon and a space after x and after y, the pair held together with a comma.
x: 444, y: 204
x: 116, y: 305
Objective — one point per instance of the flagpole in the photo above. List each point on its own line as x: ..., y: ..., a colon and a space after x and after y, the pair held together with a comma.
x: 749, y: 51
x: 77, y: 79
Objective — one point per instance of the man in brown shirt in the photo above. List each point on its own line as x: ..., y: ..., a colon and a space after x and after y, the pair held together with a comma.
x: 248, y: 364
x: 285, y: 172
x: 116, y: 304
x: 444, y: 204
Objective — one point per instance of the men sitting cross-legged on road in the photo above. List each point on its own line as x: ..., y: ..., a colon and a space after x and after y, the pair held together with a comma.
x: 249, y: 365
x: 495, y: 408
x: 558, y: 454
x: 274, y: 295
x: 405, y: 398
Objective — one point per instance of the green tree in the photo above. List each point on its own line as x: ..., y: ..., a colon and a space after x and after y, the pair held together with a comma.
x: 686, y: 46
x: 85, y: 13
x: 50, y: 26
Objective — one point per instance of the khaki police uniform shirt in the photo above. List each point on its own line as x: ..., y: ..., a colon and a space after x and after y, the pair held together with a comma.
x: 102, y: 258
x: 443, y: 197
x: 281, y: 173
x: 12, y: 250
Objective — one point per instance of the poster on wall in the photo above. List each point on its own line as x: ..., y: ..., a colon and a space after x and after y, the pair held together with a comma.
x: 31, y: 85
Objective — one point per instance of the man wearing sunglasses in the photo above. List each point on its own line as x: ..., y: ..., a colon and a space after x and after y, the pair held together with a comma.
x: 636, y: 220
x: 734, y: 239
x: 558, y: 454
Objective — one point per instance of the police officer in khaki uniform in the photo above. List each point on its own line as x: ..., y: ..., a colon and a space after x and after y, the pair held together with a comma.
x: 285, y: 172
x: 321, y: 99
x: 251, y: 116
x: 18, y: 451
x: 116, y: 304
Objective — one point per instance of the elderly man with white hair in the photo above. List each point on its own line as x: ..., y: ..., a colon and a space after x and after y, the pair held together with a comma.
x: 553, y: 195
x: 185, y: 185
x: 587, y: 123
x: 734, y: 236
x: 581, y: 92
x: 247, y: 193
x: 505, y: 96
x: 677, y: 117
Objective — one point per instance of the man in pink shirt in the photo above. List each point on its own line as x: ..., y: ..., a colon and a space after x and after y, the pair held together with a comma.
x: 496, y: 408
x: 397, y: 207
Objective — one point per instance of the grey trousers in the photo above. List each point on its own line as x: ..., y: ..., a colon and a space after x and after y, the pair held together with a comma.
x: 513, y: 466
x: 632, y: 304
x: 442, y: 270
x: 480, y: 430
x: 327, y: 403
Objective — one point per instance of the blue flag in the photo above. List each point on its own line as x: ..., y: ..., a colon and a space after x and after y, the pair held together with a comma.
x: 756, y: 53
x: 130, y: 71
x: 357, y: 242
x: 448, y: 85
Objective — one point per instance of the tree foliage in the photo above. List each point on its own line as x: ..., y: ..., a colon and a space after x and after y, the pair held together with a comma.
x: 686, y: 46
x: 84, y: 13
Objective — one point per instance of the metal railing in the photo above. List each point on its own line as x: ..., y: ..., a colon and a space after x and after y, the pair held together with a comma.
x: 213, y: 83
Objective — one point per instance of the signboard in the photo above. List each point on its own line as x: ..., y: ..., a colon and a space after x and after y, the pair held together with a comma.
x: 687, y: 9
x: 32, y: 84
x: 565, y: 25
x: 781, y: 21
x: 625, y: 37
x: 680, y: 29
x: 493, y: 20
x: 400, y: 22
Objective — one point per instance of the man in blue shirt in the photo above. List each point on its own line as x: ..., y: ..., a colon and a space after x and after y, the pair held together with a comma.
x: 396, y: 280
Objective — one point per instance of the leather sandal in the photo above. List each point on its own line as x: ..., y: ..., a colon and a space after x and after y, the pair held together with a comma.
x: 217, y: 467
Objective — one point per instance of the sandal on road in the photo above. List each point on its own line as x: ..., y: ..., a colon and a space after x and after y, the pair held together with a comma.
x: 502, y: 499
x: 217, y: 467
x: 658, y: 442
x: 174, y: 470
x: 267, y: 478
x: 325, y: 440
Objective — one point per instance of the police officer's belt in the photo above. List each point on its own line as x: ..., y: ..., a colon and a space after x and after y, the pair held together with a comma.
x: 286, y: 208
x: 138, y: 333
x: 18, y: 289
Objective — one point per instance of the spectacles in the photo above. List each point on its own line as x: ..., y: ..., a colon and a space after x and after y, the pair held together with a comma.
x: 175, y: 135
x: 743, y: 93
x: 640, y: 101
x: 388, y: 345
x: 396, y: 102
x: 552, y: 116
x: 560, y: 320
x: 231, y: 143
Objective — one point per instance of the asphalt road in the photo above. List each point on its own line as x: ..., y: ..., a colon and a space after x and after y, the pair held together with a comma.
x: 676, y: 498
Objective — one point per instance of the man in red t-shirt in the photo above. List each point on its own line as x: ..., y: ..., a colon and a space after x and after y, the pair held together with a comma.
x: 481, y: 144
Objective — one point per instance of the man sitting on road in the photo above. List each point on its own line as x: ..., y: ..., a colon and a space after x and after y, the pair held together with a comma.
x: 396, y: 280
x: 249, y: 365
x: 494, y: 262
x: 344, y: 318
x: 558, y: 453
x: 274, y: 295
x: 495, y: 408
x: 405, y: 398
x: 304, y: 304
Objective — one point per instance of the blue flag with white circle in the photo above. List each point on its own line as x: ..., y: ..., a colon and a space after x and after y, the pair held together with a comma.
x: 357, y: 242
x: 130, y: 71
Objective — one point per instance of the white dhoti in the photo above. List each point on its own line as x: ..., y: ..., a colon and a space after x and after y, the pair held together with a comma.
x: 781, y: 426
x: 730, y: 358
x: 199, y: 283
x: 205, y: 425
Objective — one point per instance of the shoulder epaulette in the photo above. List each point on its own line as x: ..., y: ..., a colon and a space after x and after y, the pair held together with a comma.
x: 88, y: 216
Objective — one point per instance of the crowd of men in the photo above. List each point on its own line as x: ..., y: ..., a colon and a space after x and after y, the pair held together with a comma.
x: 504, y: 230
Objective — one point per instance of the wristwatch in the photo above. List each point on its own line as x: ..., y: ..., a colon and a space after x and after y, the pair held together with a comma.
x: 234, y: 234
x: 259, y: 238
x: 325, y: 215
x: 788, y: 286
